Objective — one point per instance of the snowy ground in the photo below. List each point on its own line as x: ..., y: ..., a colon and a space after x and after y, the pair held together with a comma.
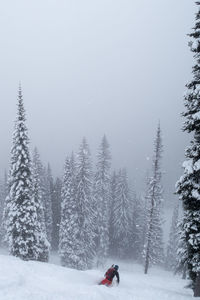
x: 21, y: 280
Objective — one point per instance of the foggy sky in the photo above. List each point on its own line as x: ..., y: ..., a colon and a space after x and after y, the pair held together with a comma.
x: 91, y: 67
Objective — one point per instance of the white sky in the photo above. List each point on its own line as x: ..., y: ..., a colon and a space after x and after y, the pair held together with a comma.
x: 93, y: 67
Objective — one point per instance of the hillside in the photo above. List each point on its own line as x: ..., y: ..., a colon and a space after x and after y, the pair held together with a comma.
x: 39, y: 281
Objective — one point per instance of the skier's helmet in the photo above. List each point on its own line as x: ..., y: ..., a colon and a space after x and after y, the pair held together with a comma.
x: 116, y: 267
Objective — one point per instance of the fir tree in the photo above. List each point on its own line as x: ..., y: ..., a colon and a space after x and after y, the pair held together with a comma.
x: 22, y: 224
x: 113, y: 196
x: 182, y: 251
x: 56, y: 208
x: 137, y: 227
x: 144, y: 217
x: 172, y: 247
x: 102, y: 198
x: 3, y: 194
x: 47, y: 201
x: 5, y: 209
x: 46, y: 186
x: 85, y: 207
x: 43, y: 244
x: 188, y: 187
x: 70, y: 244
x: 153, y: 251
x: 122, y: 216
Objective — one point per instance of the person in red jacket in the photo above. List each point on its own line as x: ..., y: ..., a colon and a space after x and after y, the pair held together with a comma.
x: 110, y: 274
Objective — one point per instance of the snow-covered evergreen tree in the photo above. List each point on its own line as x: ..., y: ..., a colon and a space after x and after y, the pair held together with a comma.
x: 43, y: 244
x: 46, y: 185
x: 3, y: 194
x: 172, y: 247
x: 182, y: 251
x: 56, y: 208
x: 47, y: 201
x: 144, y: 216
x: 21, y: 223
x: 5, y: 210
x: 137, y: 227
x: 122, y: 216
x: 153, y: 250
x: 85, y: 207
x: 102, y: 199
x: 113, y: 196
x: 70, y: 243
x: 188, y: 186
x: 37, y: 188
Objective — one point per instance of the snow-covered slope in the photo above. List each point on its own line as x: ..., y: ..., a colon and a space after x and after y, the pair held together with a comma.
x: 21, y: 280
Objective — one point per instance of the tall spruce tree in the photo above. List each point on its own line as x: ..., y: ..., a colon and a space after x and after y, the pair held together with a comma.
x: 85, y: 206
x: 188, y: 186
x: 56, y: 208
x: 137, y: 227
x: 113, y: 196
x: 182, y: 251
x: 46, y: 185
x: 70, y: 244
x: 122, y: 216
x: 153, y: 250
x: 47, y: 201
x: 22, y: 224
x: 3, y: 194
x: 5, y: 209
x: 102, y: 198
x: 144, y: 216
x: 172, y: 247
x: 43, y: 244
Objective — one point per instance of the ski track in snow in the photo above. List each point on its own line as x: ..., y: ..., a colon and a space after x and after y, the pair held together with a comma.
x: 21, y: 280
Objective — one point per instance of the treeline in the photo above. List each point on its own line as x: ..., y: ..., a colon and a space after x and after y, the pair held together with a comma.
x: 87, y: 215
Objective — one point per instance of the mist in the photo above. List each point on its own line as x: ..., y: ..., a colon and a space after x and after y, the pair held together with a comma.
x: 90, y: 68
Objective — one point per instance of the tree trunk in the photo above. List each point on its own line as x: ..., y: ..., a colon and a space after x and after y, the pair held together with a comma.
x: 184, y: 272
x: 146, y: 263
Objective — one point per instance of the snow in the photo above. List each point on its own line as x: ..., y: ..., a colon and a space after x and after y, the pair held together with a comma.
x: 197, y: 165
x: 188, y: 166
x: 196, y: 194
x: 44, y: 281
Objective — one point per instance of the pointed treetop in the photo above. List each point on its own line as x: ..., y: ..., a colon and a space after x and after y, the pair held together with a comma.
x: 105, y: 141
x: 21, y: 116
x: 20, y: 91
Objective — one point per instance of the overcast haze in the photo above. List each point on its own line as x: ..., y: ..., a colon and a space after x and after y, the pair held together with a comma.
x: 94, y: 67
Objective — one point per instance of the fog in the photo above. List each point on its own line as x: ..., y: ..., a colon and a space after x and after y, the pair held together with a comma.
x: 90, y: 68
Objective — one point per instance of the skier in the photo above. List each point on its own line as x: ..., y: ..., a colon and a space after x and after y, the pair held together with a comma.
x: 110, y: 274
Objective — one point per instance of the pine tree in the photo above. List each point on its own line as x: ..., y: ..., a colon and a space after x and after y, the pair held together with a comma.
x: 172, y: 247
x: 137, y: 227
x: 46, y: 185
x: 144, y: 217
x: 3, y: 194
x: 70, y: 244
x: 85, y: 206
x: 7, y: 179
x: 188, y: 187
x: 153, y: 251
x: 113, y: 196
x: 21, y: 223
x: 182, y: 251
x: 37, y: 188
x: 43, y: 244
x: 122, y: 216
x: 47, y: 201
x: 56, y: 208
x: 102, y: 198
